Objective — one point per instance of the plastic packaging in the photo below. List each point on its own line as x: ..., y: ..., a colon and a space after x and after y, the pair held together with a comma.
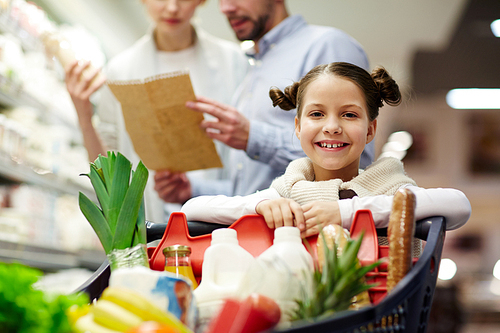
x: 129, y: 257
x: 57, y: 46
x: 177, y: 261
x: 282, y: 272
x: 225, y: 263
x: 164, y: 289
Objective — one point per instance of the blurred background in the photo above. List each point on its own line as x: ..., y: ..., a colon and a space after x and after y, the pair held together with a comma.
x: 444, y: 54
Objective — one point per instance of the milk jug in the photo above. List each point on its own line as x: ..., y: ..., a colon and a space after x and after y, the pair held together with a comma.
x: 225, y: 263
x: 283, y: 272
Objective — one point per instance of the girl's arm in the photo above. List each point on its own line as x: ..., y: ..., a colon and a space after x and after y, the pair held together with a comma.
x: 222, y: 209
x: 447, y: 202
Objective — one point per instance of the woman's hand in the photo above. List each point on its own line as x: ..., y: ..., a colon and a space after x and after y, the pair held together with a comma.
x: 82, y: 80
x: 172, y: 187
x: 318, y: 214
x: 281, y: 212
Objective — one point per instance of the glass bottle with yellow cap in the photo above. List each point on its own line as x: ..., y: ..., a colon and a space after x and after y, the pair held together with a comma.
x: 177, y: 261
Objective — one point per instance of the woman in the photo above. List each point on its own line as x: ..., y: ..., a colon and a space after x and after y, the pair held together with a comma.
x: 216, y: 67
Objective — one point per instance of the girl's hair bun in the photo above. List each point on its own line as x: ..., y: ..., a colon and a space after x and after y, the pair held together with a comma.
x: 387, y: 87
x: 286, y: 100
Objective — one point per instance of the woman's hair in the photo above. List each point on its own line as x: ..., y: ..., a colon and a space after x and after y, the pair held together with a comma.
x: 378, y: 87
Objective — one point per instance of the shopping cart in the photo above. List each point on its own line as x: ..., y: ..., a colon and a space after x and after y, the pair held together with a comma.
x: 405, y: 309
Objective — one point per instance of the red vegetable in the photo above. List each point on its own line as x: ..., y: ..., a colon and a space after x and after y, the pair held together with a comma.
x: 255, y: 314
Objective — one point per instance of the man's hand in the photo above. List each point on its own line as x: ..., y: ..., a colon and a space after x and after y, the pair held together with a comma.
x: 318, y: 214
x: 230, y: 127
x: 172, y: 187
x: 82, y: 81
x: 281, y: 212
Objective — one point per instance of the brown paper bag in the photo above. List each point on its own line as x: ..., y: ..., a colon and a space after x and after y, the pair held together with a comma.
x: 165, y: 134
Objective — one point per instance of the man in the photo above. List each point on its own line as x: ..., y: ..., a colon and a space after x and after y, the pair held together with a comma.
x: 261, y: 136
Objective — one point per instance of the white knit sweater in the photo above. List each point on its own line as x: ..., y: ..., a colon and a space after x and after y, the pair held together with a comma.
x: 383, y: 177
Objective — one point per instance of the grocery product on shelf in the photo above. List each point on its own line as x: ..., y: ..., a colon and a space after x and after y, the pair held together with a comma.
x: 59, y: 47
x: 38, y: 216
x: 41, y: 151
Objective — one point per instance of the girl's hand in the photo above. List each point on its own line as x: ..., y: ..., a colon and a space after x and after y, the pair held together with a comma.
x: 281, y: 212
x: 318, y: 214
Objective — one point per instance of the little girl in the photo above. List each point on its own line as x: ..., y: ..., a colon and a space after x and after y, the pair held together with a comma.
x: 337, y: 108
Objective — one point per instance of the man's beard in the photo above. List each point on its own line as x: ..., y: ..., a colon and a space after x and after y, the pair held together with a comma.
x: 259, y: 29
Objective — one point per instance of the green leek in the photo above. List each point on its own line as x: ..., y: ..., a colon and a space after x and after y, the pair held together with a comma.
x: 119, y: 219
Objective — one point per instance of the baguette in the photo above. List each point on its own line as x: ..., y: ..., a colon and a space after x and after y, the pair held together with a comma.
x: 400, y: 233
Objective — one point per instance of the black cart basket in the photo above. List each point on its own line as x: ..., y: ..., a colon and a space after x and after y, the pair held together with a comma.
x: 406, y: 309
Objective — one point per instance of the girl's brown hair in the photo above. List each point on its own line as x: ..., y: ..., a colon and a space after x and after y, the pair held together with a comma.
x: 378, y: 87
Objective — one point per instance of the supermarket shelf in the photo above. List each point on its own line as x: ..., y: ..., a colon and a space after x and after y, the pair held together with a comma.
x: 12, y: 95
x: 48, y: 259
x: 11, y: 26
x: 16, y: 97
x: 12, y: 170
x: 45, y: 258
x: 21, y: 173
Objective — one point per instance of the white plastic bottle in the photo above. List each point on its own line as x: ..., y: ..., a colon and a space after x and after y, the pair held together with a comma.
x: 225, y: 263
x: 283, y: 272
x: 287, y: 246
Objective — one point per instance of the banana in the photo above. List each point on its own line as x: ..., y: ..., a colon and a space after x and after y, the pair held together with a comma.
x: 142, y: 307
x: 114, y: 316
x: 76, y: 311
x: 86, y: 324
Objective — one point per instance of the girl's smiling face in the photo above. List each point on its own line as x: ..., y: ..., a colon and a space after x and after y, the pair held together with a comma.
x: 333, y: 127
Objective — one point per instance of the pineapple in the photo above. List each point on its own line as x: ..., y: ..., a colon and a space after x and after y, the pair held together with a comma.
x: 336, y: 284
